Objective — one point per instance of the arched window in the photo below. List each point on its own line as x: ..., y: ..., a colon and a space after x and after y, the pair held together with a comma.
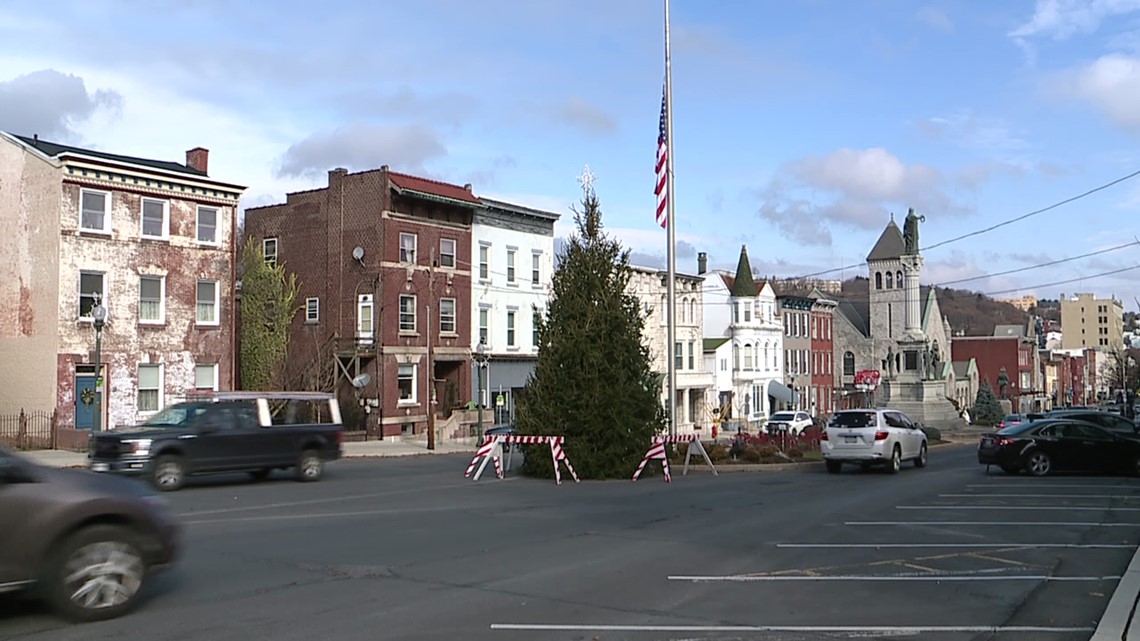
x: 878, y: 280
x: 692, y: 310
x: 848, y: 364
x: 898, y: 280
x: 890, y: 280
x: 767, y: 356
x: 747, y: 356
x: 735, y: 357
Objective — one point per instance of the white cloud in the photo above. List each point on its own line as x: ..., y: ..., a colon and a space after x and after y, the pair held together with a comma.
x: 851, y: 188
x: 1062, y: 19
x: 361, y: 146
x: 967, y: 130
x: 1111, y: 84
x: 50, y: 104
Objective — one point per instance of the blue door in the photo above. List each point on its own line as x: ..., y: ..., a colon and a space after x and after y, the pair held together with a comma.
x: 84, y: 413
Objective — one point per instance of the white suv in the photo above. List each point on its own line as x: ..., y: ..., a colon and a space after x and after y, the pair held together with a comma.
x: 789, y: 422
x: 872, y: 436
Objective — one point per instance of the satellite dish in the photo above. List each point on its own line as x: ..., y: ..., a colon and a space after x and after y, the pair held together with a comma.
x: 358, y: 252
x: 360, y: 381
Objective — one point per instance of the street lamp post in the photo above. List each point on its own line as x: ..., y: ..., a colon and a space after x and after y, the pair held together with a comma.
x: 99, y: 316
x: 480, y: 363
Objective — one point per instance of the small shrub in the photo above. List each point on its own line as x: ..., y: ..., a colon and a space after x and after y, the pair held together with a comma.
x: 751, y: 454
x: 768, y: 451
x: 932, y: 433
x: 717, y: 452
x: 796, y: 454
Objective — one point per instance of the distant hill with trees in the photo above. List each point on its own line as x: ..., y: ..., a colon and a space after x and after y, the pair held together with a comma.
x: 971, y: 313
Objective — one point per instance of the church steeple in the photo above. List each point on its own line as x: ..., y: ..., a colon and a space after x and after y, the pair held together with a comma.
x: 743, y: 286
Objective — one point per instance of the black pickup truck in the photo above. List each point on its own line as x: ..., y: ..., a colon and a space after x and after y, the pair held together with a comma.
x: 255, y: 432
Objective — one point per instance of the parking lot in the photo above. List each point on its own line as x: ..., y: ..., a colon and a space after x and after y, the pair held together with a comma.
x: 410, y: 549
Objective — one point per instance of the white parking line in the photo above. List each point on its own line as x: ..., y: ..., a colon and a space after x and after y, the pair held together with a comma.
x: 975, y: 495
x: 997, y: 523
x: 1038, y: 508
x: 1076, y: 546
x: 873, y: 631
x: 1051, y: 485
x: 741, y: 578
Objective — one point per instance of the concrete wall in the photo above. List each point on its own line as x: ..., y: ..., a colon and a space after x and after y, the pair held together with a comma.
x: 29, y: 321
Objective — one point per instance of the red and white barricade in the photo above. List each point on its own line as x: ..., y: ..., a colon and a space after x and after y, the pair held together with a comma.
x: 492, y: 450
x: 657, y: 452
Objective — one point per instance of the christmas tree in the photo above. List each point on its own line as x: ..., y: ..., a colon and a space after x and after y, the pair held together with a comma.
x: 987, y: 410
x: 592, y: 383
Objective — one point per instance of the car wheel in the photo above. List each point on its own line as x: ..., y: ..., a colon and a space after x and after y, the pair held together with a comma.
x: 833, y: 467
x: 96, y: 574
x: 921, y: 460
x: 310, y: 466
x: 262, y: 474
x: 169, y: 473
x: 1038, y: 463
x: 895, y: 464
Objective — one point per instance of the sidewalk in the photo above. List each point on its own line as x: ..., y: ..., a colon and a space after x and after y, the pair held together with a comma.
x: 361, y: 449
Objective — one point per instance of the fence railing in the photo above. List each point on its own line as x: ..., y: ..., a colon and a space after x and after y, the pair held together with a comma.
x: 29, y: 430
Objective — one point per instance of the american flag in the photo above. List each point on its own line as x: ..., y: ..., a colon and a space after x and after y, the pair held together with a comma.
x: 662, y: 189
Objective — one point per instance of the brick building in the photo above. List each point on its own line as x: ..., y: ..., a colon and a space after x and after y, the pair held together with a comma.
x: 1013, y: 354
x: 384, y: 265
x: 822, y: 401
x: 149, y: 240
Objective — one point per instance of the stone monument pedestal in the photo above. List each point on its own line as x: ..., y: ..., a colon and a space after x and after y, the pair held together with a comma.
x: 914, y: 392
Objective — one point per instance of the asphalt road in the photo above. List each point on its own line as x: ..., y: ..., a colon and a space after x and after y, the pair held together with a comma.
x: 409, y: 549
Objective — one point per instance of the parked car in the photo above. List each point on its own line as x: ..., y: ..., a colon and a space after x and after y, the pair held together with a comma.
x: 1108, y: 420
x: 1055, y: 444
x: 84, y: 542
x: 1012, y: 419
x: 789, y: 423
x: 868, y: 437
x: 255, y: 432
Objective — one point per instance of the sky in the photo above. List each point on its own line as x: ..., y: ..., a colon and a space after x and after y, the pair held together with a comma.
x: 799, y: 126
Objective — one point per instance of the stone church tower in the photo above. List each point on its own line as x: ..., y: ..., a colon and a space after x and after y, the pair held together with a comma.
x: 887, y: 300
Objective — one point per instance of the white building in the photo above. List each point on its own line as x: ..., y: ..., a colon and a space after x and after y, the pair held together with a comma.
x: 513, y: 252
x: 693, y: 408
x: 739, y: 309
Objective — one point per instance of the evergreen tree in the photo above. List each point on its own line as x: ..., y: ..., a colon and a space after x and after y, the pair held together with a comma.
x: 268, y: 305
x: 592, y: 383
x: 987, y: 410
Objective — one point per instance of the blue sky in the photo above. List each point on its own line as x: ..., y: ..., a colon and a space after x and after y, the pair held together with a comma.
x: 798, y: 125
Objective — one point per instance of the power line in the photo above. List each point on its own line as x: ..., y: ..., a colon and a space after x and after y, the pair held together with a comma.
x: 1038, y: 266
x: 1004, y: 223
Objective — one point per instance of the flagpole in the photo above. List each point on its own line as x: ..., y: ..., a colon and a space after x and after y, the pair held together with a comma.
x: 671, y: 236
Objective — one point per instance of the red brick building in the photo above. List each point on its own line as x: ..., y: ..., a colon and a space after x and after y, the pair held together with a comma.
x: 384, y: 264
x: 822, y: 355
x: 1015, y: 355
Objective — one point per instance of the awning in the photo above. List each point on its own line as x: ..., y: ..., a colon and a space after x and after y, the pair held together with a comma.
x: 780, y: 392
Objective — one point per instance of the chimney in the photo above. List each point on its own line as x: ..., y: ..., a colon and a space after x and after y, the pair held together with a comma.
x: 198, y: 158
x: 36, y: 137
x: 335, y: 175
x: 702, y: 263
x: 467, y: 187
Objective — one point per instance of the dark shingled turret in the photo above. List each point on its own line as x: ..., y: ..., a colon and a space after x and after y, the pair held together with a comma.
x: 890, y: 245
x: 743, y: 285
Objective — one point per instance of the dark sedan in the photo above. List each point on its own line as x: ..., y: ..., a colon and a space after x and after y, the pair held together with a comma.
x: 1044, y: 446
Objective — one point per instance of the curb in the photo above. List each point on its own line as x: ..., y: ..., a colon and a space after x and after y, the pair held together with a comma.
x: 1116, y: 624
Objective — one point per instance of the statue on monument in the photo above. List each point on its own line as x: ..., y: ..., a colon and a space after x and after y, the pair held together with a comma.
x: 910, y: 232
x: 934, y: 362
x: 890, y: 360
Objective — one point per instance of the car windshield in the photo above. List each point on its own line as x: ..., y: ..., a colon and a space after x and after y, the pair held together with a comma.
x: 178, y: 415
x: 1017, y: 428
x: 853, y: 419
x: 783, y: 416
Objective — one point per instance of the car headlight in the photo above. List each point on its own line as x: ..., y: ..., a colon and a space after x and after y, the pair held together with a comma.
x: 140, y: 446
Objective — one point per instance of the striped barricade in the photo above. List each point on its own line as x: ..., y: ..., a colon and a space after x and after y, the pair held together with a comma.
x: 492, y: 450
x: 657, y: 452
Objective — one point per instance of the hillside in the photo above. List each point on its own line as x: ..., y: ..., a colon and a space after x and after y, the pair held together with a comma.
x: 971, y: 313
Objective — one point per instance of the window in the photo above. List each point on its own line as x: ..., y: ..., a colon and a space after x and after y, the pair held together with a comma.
x: 312, y: 310
x: 484, y: 326
x: 92, y: 286
x: 206, y: 376
x: 155, y: 217
x: 534, y: 328
x: 747, y: 313
x: 510, y: 328
x: 510, y: 265
x: 535, y: 268
x: 406, y: 382
x: 878, y: 280
x: 692, y: 358
x: 890, y: 280
x: 747, y: 357
x: 269, y: 251
x: 151, y: 298
x: 898, y: 280
x: 848, y: 364
x: 447, y: 315
x: 207, y: 302
x: 208, y: 225
x: 484, y: 262
x: 679, y: 355
x: 447, y: 252
x: 95, y: 211
x: 407, y: 248
x: 1025, y: 383
x: 150, y: 388
x: 407, y: 313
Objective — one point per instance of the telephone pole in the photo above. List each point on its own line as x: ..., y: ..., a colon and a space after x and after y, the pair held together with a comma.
x: 430, y: 355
